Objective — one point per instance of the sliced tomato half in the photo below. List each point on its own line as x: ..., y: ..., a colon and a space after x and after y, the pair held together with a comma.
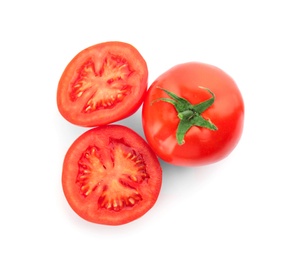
x: 111, y: 176
x: 102, y: 84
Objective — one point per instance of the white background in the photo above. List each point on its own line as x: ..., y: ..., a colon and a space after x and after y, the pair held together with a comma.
x: 248, y: 206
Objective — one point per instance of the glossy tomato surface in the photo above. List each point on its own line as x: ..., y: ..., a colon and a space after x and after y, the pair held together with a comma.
x: 193, y: 83
x: 102, y: 84
x: 111, y: 176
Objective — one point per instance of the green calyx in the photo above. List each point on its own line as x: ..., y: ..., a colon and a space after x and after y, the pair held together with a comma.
x: 189, y: 115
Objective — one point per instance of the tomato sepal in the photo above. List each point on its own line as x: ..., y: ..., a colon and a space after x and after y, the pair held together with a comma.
x: 189, y: 114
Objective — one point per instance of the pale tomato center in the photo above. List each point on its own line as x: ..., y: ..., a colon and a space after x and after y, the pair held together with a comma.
x: 114, y: 174
x: 104, y: 88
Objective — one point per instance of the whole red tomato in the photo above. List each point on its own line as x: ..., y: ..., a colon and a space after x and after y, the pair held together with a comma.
x: 193, y: 114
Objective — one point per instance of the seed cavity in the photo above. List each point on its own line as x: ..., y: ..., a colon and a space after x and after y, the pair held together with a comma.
x: 102, y: 89
x: 114, y: 173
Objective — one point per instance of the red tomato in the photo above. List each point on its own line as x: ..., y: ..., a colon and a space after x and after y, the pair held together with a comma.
x: 193, y: 114
x: 111, y: 176
x: 102, y: 84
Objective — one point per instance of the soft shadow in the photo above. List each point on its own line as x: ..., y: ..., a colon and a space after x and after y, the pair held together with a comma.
x: 134, y: 122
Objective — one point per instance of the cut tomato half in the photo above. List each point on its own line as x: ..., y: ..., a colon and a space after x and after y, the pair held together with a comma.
x: 111, y: 176
x: 102, y: 84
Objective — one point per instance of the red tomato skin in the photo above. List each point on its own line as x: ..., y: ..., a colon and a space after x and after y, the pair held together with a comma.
x: 72, y: 110
x: 202, y: 146
x: 87, y: 207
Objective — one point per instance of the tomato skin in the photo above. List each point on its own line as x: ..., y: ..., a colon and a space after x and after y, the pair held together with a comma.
x: 130, y: 156
x: 102, y: 84
x: 202, y: 146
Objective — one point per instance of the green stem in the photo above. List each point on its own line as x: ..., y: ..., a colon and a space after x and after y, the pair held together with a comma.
x: 186, y: 115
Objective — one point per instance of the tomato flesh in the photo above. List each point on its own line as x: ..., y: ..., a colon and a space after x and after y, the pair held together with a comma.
x: 102, y: 84
x: 113, y: 79
x: 110, y: 175
x: 116, y: 178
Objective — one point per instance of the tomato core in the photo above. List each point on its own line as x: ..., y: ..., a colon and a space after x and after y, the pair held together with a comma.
x: 105, y: 86
x: 114, y: 175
